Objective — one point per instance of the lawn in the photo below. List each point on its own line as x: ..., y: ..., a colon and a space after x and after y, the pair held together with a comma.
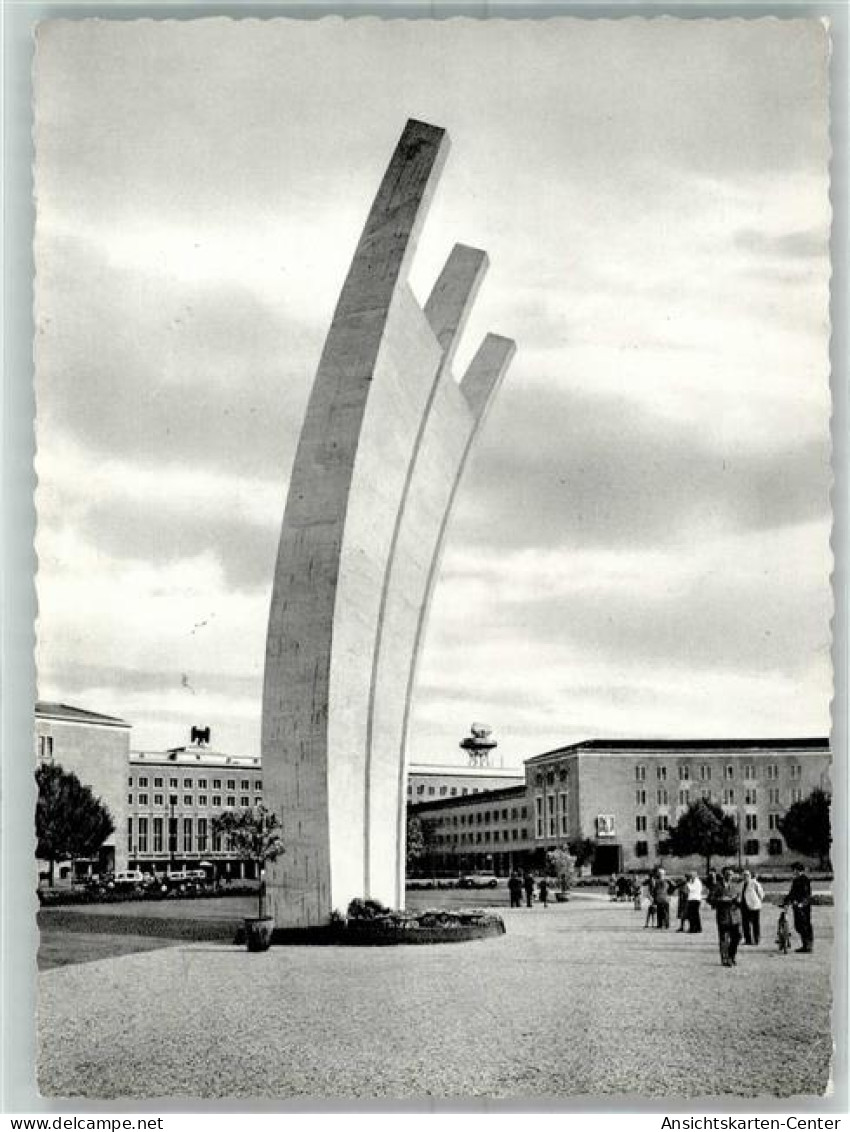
x: 576, y: 999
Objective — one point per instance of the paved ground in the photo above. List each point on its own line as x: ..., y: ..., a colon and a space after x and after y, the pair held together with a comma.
x: 574, y: 1000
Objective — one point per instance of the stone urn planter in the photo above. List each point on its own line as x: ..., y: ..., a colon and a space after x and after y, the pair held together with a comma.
x: 258, y: 932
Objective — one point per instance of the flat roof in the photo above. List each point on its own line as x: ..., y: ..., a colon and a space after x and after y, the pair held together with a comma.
x: 194, y: 756
x: 472, y: 771
x: 45, y: 709
x: 503, y: 794
x: 687, y: 746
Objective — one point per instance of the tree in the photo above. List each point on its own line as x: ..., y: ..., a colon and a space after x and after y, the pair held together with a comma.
x: 70, y: 821
x: 582, y: 849
x: 806, y: 826
x: 560, y: 863
x: 420, y: 840
x: 706, y: 830
x: 253, y: 835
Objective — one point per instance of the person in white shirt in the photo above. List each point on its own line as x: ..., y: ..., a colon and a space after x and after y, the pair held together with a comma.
x: 752, y: 898
x: 693, y: 888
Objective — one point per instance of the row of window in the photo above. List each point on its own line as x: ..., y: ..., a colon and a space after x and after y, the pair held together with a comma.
x: 480, y: 836
x: 199, y: 784
x: 750, y: 772
x: 202, y: 800
x: 751, y: 848
x: 444, y: 791
x: 662, y: 822
x: 158, y: 835
x: 749, y: 796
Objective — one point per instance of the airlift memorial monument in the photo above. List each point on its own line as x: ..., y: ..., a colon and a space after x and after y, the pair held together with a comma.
x: 385, y: 438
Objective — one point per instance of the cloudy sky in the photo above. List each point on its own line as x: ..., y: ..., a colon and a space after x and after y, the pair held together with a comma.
x: 641, y: 543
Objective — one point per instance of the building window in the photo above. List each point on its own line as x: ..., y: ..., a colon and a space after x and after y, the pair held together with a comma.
x: 751, y: 848
x: 641, y: 848
x: 143, y: 799
x: 202, y: 835
x: 131, y: 780
x: 231, y: 802
x: 514, y: 835
x: 246, y: 785
x: 157, y: 799
x: 216, y: 842
x: 749, y: 772
x: 430, y: 791
x: 409, y: 790
x: 453, y: 792
x: 684, y: 773
x: 187, y: 783
x: 640, y: 823
x: 773, y: 771
x: 796, y: 795
x: 774, y: 847
x: 216, y: 784
x: 773, y: 795
x: 796, y: 771
x: 129, y: 835
x: 661, y: 796
x: 244, y: 802
x: 258, y: 800
x: 172, y: 799
x: 705, y: 773
x: 45, y: 746
x: 729, y: 772
x: 143, y: 782
x: 157, y: 782
x: 172, y: 782
x: 750, y: 797
x: 130, y: 799
x: 216, y: 801
x: 496, y: 835
x: 464, y: 790
x: 258, y: 785
x: 443, y: 791
x: 172, y: 835
x: 187, y: 835
x: 202, y: 799
x: 773, y: 821
x: 751, y: 822
x: 202, y: 784
x: 231, y: 784
x: 143, y: 835
x: 538, y: 806
x: 706, y: 795
x: 684, y: 797
x: 661, y: 773
x: 187, y: 799
x: 640, y: 773
x: 729, y: 796
x: 157, y: 835
x: 640, y: 797
x: 663, y: 823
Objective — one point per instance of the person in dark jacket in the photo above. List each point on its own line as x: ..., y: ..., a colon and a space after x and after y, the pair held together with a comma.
x: 515, y: 890
x: 543, y: 890
x: 660, y: 895
x: 725, y: 898
x: 528, y: 885
x: 800, y: 898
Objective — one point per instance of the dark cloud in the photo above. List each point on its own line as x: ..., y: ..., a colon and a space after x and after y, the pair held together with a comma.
x: 152, y: 371
x: 588, y: 471
x: 805, y: 244
x: 245, y: 548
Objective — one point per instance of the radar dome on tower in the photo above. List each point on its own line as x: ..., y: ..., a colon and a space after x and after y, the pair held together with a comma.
x: 478, y: 744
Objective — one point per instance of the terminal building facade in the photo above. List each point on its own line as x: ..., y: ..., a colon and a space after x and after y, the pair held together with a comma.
x: 623, y: 795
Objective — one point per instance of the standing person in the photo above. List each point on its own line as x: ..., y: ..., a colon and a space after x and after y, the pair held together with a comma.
x: 612, y: 887
x: 800, y: 898
x: 528, y: 885
x: 544, y: 892
x: 660, y: 893
x: 515, y: 890
x: 682, y: 904
x: 636, y: 896
x: 651, y: 910
x: 726, y: 901
x: 752, y: 897
x: 693, y: 888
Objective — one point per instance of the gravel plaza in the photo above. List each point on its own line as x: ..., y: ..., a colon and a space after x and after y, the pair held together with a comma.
x: 575, y: 1000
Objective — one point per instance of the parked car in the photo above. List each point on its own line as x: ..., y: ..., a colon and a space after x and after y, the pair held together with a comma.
x: 130, y: 878
x: 478, y: 880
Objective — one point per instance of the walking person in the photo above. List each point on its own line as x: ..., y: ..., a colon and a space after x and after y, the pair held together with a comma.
x: 752, y: 898
x: 543, y: 890
x: 528, y: 885
x: 694, y: 890
x: 515, y: 890
x: 660, y: 892
x: 726, y: 901
x: 800, y: 898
